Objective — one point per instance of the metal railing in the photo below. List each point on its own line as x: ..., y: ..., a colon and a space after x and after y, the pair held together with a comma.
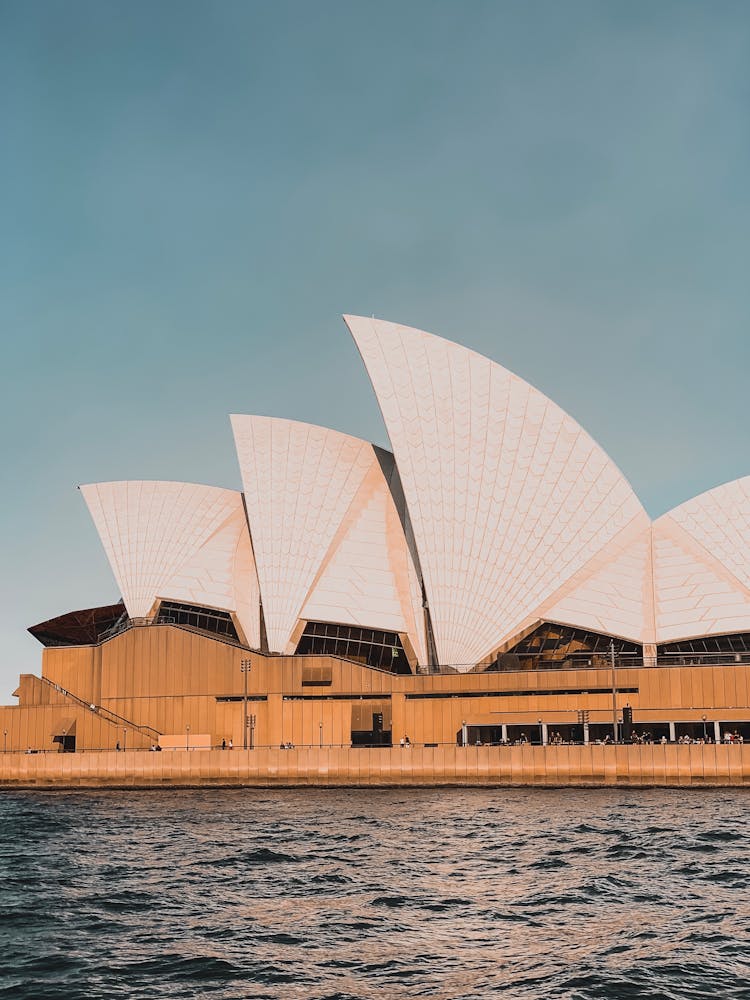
x: 123, y: 624
x: 119, y: 627
x: 531, y: 663
x: 104, y: 713
x: 527, y: 662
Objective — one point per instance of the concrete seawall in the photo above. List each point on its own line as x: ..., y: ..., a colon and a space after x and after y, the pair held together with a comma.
x: 591, y: 766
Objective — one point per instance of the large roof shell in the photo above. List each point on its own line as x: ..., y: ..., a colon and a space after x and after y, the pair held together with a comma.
x: 327, y: 536
x: 508, y: 496
x: 613, y: 593
x: 507, y: 508
x: 178, y: 541
x: 702, y: 564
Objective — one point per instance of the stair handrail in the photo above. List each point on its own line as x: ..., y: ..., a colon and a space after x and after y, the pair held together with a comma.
x: 105, y: 713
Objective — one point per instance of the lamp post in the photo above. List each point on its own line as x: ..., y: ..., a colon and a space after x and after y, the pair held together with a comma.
x: 614, y: 689
x: 704, y: 729
x: 124, y: 739
x: 541, y: 732
x: 187, y: 736
x: 5, y: 740
x: 252, y: 720
x: 320, y: 727
x: 245, y: 666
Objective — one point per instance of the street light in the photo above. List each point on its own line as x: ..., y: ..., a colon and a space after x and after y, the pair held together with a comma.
x: 124, y: 739
x: 245, y: 666
x: 704, y: 729
x: 187, y: 736
x: 320, y: 725
x: 541, y: 733
x: 5, y: 740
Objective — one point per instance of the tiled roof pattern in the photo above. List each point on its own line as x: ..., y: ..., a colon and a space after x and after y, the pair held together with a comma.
x: 700, y: 580
x: 615, y: 595
x: 719, y: 520
x: 310, y: 491
x: 179, y: 541
x: 508, y: 496
x: 368, y: 578
x: 508, y: 508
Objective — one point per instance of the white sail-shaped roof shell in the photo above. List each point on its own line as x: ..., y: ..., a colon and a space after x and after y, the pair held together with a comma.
x: 498, y: 503
x: 613, y: 593
x: 178, y: 541
x: 327, y: 536
x: 508, y: 496
x: 702, y: 564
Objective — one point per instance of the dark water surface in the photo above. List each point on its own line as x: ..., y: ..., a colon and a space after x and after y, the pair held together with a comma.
x: 321, y: 894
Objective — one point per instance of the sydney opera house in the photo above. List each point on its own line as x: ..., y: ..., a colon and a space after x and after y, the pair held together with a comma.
x: 492, y: 579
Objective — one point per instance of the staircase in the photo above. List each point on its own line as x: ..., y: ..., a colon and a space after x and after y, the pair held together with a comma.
x: 104, y: 713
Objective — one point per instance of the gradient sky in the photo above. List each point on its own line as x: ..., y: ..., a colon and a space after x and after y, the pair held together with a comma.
x: 192, y: 193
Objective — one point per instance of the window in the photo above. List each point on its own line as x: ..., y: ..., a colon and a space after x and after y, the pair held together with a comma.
x: 205, y: 619
x: 371, y: 647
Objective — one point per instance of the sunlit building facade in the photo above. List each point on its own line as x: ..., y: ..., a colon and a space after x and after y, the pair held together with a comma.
x: 492, y: 578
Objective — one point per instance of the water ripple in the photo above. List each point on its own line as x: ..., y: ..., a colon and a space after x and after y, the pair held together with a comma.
x: 338, y: 895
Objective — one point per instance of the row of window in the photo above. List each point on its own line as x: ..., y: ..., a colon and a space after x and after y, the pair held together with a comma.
x: 206, y: 619
x: 561, y: 642
x: 739, y: 642
x: 377, y: 637
x: 518, y: 693
x: 372, y: 647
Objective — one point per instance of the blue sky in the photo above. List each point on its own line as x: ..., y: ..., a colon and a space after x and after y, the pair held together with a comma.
x: 192, y: 194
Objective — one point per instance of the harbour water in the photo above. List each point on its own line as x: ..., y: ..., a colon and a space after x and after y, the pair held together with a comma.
x: 315, y: 893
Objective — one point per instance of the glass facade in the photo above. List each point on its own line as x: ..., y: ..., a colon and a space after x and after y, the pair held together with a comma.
x: 205, y: 619
x: 552, y: 646
x: 733, y: 648
x: 369, y: 646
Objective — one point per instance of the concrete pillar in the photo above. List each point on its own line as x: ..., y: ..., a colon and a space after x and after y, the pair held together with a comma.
x: 672, y: 733
x: 585, y: 734
x: 464, y: 734
x: 504, y: 732
x: 545, y: 736
x: 717, y: 732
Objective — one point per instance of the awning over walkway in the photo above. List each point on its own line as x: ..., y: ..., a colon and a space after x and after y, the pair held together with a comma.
x: 66, y: 727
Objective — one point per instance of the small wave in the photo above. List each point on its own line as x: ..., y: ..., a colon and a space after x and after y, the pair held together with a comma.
x: 720, y: 836
x: 261, y: 856
x: 391, y: 901
x: 334, y: 878
x: 441, y: 905
x: 550, y: 863
x: 349, y: 896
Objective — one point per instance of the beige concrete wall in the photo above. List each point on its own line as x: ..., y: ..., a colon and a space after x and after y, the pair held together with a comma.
x: 686, y: 766
x: 24, y: 727
x: 170, y: 678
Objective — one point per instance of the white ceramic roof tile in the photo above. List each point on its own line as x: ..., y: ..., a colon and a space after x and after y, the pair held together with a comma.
x: 508, y: 496
x: 613, y: 594
x: 177, y: 541
x: 719, y: 520
x: 327, y: 538
x: 695, y: 592
x: 368, y: 577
